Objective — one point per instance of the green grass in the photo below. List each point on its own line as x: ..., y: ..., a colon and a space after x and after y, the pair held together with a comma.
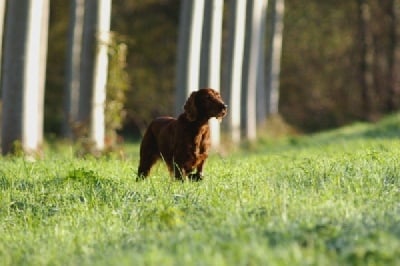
x: 326, y: 199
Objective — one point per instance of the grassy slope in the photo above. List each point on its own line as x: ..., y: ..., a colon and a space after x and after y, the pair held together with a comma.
x: 327, y: 199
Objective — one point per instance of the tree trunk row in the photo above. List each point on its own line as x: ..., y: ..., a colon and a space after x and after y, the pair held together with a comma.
x: 24, y: 66
x: 23, y: 75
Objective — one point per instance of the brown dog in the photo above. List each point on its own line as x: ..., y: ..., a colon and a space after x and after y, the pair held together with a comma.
x: 182, y: 143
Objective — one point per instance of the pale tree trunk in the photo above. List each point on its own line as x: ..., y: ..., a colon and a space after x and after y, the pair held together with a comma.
x: 87, y: 70
x: 189, y: 50
x: 195, y: 36
x: 191, y: 79
x: 73, y: 67
x: 182, y: 54
x: 274, y: 56
x: 234, y: 65
x: 25, y: 51
x: 80, y: 67
x: 251, y: 67
x: 35, y: 74
x: 97, y: 129
x: 211, y: 56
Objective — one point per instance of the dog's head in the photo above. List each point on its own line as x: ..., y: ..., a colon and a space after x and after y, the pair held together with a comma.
x: 204, y: 104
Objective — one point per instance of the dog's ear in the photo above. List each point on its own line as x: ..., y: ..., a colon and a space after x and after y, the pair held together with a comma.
x: 190, y: 107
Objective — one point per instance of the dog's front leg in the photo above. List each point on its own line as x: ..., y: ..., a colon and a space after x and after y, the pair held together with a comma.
x: 198, y: 175
x: 179, y: 172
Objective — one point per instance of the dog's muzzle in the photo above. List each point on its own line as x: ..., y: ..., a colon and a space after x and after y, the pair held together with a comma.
x: 223, y: 112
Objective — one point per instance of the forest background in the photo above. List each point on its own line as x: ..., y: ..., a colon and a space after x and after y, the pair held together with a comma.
x: 340, y: 61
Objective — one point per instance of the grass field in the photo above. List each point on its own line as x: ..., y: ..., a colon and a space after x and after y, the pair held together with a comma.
x: 326, y: 199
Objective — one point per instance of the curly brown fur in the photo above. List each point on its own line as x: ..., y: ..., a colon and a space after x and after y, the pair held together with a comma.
x: 183, y: 143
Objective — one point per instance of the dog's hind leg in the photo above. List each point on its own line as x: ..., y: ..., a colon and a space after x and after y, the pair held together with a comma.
x: 145, y: 166
x: 149, y: 154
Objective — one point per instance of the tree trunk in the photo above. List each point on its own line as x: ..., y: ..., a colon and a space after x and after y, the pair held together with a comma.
x: 73, y: 68
x: 82, y: 44
x: 182, y: 52
x: 25, y: 52
x: 274, y: 56
x: 97, y: 129
x: 393, y: 102
x: 261, y: 98
x: 87, y: 70
x: 234, y: 65
x: 87, y: 65
x: 257, y: 7
x: 210, y: 73
x: 2, y: 19
x: 15, y: 36
x: 189, y: 47
x: 367, y: 58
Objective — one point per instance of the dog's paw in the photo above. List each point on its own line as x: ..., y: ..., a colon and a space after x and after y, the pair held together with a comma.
x: 195, y: 177
x: 140, y: 177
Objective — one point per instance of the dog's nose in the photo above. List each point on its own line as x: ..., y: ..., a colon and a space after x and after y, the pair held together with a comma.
x: 223, y: 110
